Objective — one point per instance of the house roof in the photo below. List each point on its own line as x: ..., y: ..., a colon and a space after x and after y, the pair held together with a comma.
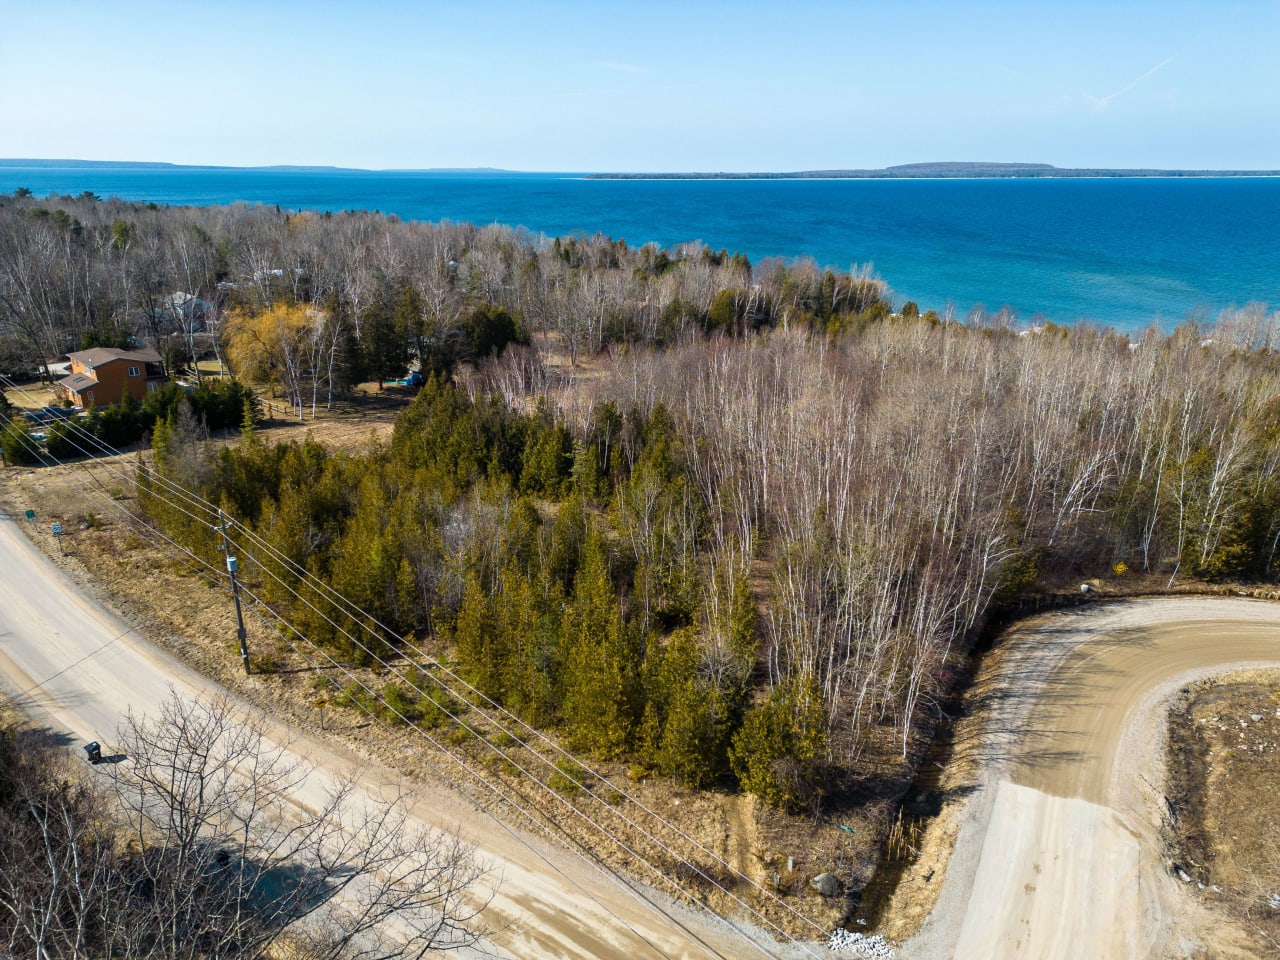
x: 77, y: 382
x: 100, y: 355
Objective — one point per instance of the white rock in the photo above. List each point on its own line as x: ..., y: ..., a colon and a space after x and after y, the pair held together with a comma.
x: 873, y: 947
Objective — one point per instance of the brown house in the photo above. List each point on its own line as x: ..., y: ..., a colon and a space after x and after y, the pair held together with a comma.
x: 102, y: 375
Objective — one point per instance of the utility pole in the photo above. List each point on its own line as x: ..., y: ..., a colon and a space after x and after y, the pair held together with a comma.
x: 235, y: 590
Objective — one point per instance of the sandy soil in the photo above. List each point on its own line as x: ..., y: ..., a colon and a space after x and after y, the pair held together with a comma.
x: 1059, y: 850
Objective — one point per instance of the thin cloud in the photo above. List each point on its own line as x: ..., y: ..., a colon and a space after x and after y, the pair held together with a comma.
x: 1101, y: 103
x: 1021, y: 75
x: 618, y: 67
x: 540, y: 96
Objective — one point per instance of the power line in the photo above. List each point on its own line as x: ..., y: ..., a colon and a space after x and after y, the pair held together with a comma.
x: 291, y: 629
x: 422, y: 757
x: 546, y: 787
x: 363, y: 621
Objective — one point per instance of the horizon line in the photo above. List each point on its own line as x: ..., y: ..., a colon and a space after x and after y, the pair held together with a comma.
x: 914, y: 170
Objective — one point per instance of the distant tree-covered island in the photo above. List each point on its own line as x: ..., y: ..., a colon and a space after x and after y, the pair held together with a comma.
x: 946, y: 170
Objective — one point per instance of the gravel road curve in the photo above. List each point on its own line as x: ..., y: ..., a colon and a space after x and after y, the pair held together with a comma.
x: 1059, y: 852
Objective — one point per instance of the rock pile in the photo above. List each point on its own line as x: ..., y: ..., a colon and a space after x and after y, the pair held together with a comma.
x: 874, y: 947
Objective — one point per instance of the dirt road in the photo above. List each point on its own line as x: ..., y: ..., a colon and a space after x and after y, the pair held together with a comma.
x: 1059, y: 853
x: 82, y: 669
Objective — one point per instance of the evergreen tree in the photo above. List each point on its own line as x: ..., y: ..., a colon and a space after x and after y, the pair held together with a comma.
x: 779, y: 751
x: 409, y: 319
x: 489, y: 329
x: 548, y: 456
x: 249, y: 425
x: 15, y: 440
x: 477, y: 643
x: 692, y: 742
x: 600, y: 666
x: 385, y: 348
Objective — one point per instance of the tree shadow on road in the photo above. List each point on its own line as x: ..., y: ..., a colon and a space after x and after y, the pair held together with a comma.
x: 1019, y: 709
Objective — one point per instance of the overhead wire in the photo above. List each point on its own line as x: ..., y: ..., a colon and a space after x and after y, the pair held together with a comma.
x: 462, y: 723
x: 365, y: 621
x: 48, y: 460
x: 362, y: 622
x: 460, y: 761
x: 291, y: 629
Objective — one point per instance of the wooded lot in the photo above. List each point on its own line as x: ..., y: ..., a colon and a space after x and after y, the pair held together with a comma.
x: 751, y: 550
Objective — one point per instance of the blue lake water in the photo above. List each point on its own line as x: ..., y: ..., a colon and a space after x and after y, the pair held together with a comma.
x: 1121, y: 252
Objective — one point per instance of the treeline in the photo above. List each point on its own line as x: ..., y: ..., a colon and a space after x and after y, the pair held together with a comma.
x: 760, y: 560
x: 377, y: 292
x: 566, y: 573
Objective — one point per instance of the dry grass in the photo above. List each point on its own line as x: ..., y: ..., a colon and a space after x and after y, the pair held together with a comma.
x: 352, y: 423
x: 1224, y: 784
x: 31, y: 395
x: 187, y: 610
x: 924, y: 832
x: 210, y: 368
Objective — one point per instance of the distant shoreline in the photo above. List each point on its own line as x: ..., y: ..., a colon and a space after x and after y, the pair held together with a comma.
x: 950, y: 170
x: 831, y: 177
x: 954, y: 171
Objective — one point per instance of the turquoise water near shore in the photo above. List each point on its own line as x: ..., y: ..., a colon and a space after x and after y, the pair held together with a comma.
x: 1119, y: 252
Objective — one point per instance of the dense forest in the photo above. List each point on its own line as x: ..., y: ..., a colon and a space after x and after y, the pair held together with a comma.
x: 762, y: 557
x: 751, y: 548
x: 80, y: 272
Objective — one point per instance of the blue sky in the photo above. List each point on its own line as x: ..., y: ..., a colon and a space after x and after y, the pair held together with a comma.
x: 650, y: 85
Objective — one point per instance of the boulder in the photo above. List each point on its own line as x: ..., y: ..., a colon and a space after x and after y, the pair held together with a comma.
x: 826, y: 884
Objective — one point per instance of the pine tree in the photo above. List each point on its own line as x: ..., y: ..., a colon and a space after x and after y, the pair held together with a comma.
x: 249, y: 424
x: 474, y: 635
x: 691, y: 747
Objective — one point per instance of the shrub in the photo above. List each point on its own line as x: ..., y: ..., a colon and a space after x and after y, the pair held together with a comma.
x: 19, y: 448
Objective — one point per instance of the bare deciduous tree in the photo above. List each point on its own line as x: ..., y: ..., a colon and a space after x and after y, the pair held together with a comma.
x: 213, y: 842
x: 236, y: 845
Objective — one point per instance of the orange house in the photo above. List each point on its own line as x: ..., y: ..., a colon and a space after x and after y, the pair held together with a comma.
x: 102, y: 375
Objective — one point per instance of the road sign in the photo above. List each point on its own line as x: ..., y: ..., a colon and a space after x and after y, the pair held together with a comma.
x: 57, y: 529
